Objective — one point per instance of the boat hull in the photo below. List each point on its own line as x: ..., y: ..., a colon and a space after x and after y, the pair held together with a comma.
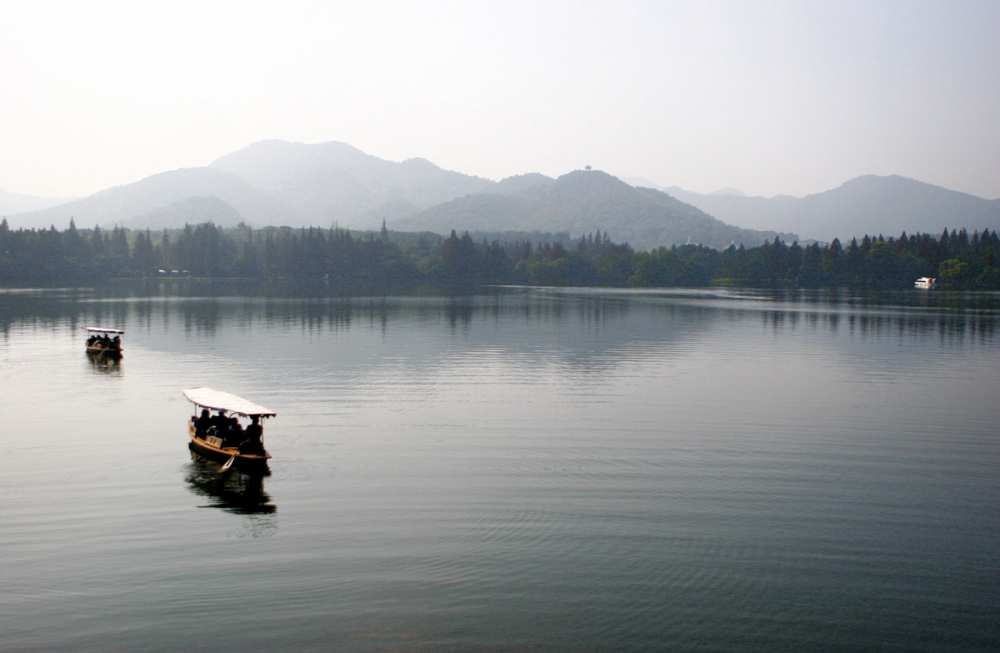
x: 101, y: 351
x: 246, y: 462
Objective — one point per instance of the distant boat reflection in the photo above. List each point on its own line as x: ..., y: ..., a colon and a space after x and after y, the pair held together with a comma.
x: 234, y: 491
x: 104, y: 364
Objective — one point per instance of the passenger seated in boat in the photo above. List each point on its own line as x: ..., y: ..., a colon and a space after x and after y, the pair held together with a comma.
x: 201, y: 424
x: 91, y: 340
x: 234, y: 434
x: 219, y: 423
x: 253, y: 443
x: 116, y: 344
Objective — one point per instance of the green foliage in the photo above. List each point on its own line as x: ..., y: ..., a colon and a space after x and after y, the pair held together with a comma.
x: 953, y: 272
x: 386, y: 261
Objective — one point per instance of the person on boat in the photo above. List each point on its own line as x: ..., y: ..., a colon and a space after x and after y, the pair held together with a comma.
x: 201, y: 423
x: 116, y: 344
x: 253, y: 442
x: 220, y: 423
x: 234, y: 433
x: 91, y: 340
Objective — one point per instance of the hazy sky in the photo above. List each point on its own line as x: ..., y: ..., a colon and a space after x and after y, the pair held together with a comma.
x: 767, y: 97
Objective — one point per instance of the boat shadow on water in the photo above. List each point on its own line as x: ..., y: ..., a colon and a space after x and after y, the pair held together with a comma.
x: 233, y: 491
x: 103, y: 364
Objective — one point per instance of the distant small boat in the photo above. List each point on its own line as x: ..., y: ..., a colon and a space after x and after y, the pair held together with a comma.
x: 925, y: 283
x: 101, y: 343
x: 215, y: 438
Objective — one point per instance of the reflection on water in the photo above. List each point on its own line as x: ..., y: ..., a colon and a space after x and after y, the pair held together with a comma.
x: 948, y: 325
x: 911, y: 312
x: 541, y: 469
x: 104, y: 364
x: 232, y: 491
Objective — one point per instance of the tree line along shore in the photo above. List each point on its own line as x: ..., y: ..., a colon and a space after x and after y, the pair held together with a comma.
x: 386, y: 261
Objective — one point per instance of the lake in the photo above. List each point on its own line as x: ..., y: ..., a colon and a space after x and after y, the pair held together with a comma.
x: 529, y: 469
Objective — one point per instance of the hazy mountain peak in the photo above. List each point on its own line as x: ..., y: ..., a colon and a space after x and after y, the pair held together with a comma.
x: 272, y: 163
x: 641, y: 182
x: 520, y: 183
x: 592, y: 180
x: 335, y: 182
x: 11, y: 203
x: 419, y: 162
x: 730, y: 191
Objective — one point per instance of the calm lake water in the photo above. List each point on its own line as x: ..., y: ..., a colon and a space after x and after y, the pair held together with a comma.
x: 528, y: 470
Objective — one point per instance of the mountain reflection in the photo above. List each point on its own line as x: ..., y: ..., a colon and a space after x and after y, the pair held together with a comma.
x: 234, y: 492
x: 583, y: 324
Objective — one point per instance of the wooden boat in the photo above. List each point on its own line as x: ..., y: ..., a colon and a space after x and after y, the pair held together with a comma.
x: 101, y: 343
x: 244, y: 449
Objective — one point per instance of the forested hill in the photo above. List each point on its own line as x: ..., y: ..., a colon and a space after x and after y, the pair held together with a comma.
x: 866, y: 205
x: 342, y: 262
x: 581, y: 202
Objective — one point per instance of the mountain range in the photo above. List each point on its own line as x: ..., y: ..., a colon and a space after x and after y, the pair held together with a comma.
x: 865, y: 205
x: 269, y: 183
x: 296, y: 184
x: 13, y: 203
x: 582, y: 202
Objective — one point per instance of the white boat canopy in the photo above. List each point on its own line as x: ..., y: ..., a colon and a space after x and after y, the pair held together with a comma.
x: 103, y: 330
x: 219, y: 400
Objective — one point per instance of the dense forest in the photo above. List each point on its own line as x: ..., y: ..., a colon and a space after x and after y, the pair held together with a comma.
x: 383, y: 261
